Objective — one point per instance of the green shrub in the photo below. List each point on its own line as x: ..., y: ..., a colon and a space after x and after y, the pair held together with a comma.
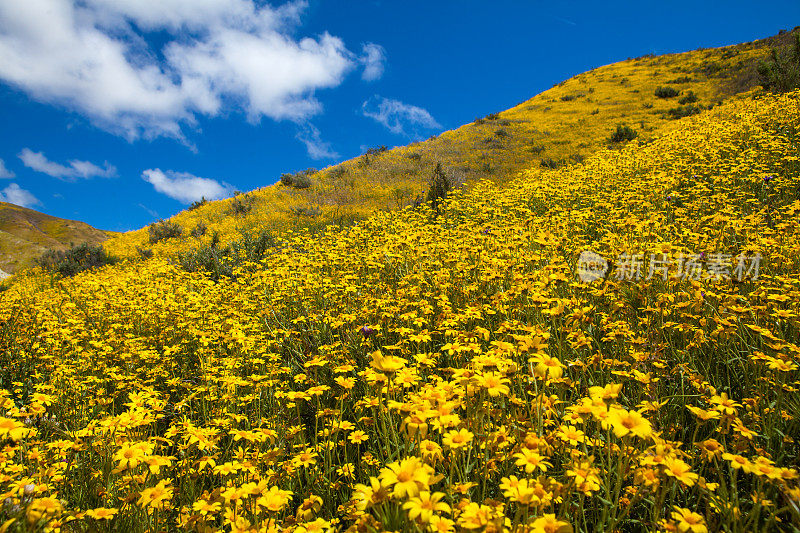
x: 305, y: 211
x: 683, y: 111
x: 537, y: 148
x: 164, y: 229
x: 622, y: 134
x: 199, y: 230
x: 440, y: 186
x: 781, y: 72
x: 144, y: 253
x: 221, y: 262
x: 298, y: 180
x: 77, y: 259
x: 666, y: 92
x: 549, y: 162
x: 682, y: 79
x: 690, y: 98
x: 242, y: 205
x: 492, y: 116
x: 202, y: 201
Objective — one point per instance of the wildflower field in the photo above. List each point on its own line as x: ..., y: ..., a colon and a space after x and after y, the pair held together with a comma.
x: 441, y: 369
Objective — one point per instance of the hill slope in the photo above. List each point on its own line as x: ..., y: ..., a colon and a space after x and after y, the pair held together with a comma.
x: 444, y: 371
x: 559, y: 126
x: 26, y: 234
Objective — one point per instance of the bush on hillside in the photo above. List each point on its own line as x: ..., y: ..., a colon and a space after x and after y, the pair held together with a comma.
x: 781, y: 72
x: 162, y: 230
x: 690, y: 98
x: 683, y: 111
x: 242, y: 205
x: 77, y: 259
x: 666, y: 92
x: 197, y: 203
x: 622, y: 134
x: 441, y: 184
x: 298, y: 180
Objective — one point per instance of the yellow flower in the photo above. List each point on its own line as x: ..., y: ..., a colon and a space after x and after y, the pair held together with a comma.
x: 306, y: 458
x: 531, y: 461
x: 204, y: 507
x: 101, y: 513
x: 274, y: 499
x: 366, y: 496
x: 494, y: 383
x: 386, y: 363
x: 457, y: 439
x: 131, y: 455
x: 690, y: 521
x: 629, y: 423
x: 546, y: 365
x: 357, y: 437
x: 550, y: 524
x: 12, y: 429
x: 680, y: 471
x: 422, y: 507
x: 407, y: 477
x: 156, y: 497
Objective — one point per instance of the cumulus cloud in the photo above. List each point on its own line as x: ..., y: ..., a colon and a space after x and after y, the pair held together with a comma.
x: 211, y: 57
x: 4, y: 172
x: 316, y: 147
x: 185, y: 187
x: 14, y: 194
x: 373, y: 57
x: 73, y: 170
x: 399, y: 118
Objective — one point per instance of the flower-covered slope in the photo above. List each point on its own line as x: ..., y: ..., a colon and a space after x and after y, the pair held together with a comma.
x: 442, y: 370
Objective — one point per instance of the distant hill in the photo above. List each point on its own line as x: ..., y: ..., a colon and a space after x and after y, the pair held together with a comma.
x: 26, y: 234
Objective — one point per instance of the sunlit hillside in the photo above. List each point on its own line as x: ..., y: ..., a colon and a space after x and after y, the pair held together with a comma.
x: 26, y: 234
x: 480, y: 367
x: 560, y: 126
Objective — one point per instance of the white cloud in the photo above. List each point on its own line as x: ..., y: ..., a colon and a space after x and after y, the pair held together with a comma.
x: 4, y: 172
x: 14, y: 194
x: 317, y: 148
x: 400, y: 118
x: 373, y: 57
x: 215, y: 56
x: 75, y: 169
x: 186, y: 187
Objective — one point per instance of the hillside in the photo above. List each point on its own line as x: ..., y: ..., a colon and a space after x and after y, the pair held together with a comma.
x: 560, y: 126
x: 26, y: 234
x: 450, y: 371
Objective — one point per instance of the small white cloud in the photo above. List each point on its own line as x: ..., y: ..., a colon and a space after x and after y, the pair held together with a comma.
x: 316, y: 147
x: 399, y: 118
x: 74, y: 170
x: 14, y: 194
x: 185, y: 187
x: 373, y: 57
x: 4, y: 172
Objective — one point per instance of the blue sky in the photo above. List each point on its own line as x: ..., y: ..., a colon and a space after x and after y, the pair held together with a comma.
x: 121, y: 112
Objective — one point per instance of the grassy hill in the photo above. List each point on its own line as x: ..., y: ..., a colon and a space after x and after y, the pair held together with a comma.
x: 26, y: 234
x: 612, y: 345
x: 560, y: 126
x: 444, y: 371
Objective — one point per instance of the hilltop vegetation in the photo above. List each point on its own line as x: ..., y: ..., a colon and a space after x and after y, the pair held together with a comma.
x: 441, y: 370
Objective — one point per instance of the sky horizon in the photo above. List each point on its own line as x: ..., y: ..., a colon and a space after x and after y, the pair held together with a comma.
x: 119, y: 113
